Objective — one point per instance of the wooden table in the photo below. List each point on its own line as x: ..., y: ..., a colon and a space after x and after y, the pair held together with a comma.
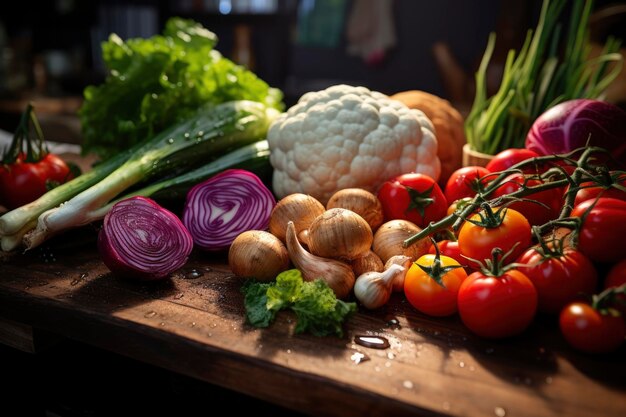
x: 194, y: 324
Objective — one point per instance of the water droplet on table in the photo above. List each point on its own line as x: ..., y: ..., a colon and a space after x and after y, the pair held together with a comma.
x: 358, y: 357
x: 407, y: 384
x: 375, y: 342
x: 499, y: 411
x: 394, y: 324
x: 193, y: 274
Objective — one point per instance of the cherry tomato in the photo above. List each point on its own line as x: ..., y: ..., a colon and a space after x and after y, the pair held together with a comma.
x: 616, y: 277
x: 463, y: 182
x: 23, y: 182
x: 509, y: 157
x: 558, y: 278
x: 496, y: 307
x: 604, y: 227
x: 414, y: 197
x: 589, y: 330
x: 449, y: 248
x: 426, y: 294
x: 590, y: 190
x: 477, y: 242
x: 536, y: 214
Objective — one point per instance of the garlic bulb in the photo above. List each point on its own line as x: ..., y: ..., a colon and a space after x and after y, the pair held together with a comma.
x: 368, y: 263
x: 389, y: 239
x: 301, y: 209
x: 405, y: 262
x: 338, y: 275
x: 258, y: 254
x: 341, y: 234
x: 360, y: 201
x: 373, y: 289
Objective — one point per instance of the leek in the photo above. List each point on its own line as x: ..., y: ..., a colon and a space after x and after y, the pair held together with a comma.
x: 210, y: 133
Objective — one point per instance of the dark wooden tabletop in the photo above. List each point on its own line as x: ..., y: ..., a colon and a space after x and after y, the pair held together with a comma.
x: 194, y: 324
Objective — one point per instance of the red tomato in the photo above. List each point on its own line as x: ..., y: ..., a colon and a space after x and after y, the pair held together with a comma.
x: 604, y: 227
x: 449, y: 248
x: 477, y: 242
x: 536, y: 214
x: 496, y: 307
x: 463, y: 182
x: 509, y: 157
x: 590, y: 190
x: 589, y: 330
x: 616, y: 275
x: 616, y: 278
x: 23, y: 182
x: 558, y: 279
x: 426, y: 294
x: 413, y: 197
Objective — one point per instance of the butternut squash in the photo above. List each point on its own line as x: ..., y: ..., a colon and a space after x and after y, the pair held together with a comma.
x: 448, y: 124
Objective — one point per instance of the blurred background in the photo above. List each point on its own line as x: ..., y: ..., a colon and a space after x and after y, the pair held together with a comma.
x: 50, y: 50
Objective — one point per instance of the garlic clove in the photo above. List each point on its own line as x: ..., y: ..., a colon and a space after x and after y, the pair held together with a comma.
x: 338, y: 275
x: 405, y: 262
x: 373, y: 289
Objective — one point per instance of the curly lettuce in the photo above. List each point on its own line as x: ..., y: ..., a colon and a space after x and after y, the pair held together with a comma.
x: 157, y: 82
x: 317, y: 309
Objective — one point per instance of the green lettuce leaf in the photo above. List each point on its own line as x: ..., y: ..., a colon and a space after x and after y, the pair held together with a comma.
x: 156, y: 82
x: 317, y: 309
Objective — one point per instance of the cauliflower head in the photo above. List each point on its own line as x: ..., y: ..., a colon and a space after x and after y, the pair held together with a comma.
x: 348, y: 137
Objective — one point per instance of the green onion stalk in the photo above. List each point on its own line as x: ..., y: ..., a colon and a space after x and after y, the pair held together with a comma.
x: 212, y: 132
x: 538, y: 77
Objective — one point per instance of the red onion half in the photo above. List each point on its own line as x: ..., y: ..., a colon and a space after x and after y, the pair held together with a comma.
x: 226, y: 205
x: 568, y: 126
x: 142, y: 240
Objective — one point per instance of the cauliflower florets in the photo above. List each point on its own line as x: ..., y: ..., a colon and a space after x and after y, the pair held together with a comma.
x: 348, y: 137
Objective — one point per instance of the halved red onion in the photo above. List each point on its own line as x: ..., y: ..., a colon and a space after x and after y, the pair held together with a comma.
x: 226, y: 205
x: 142, y: 240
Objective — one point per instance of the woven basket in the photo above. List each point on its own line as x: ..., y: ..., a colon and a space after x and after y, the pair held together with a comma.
x: 474, y: 158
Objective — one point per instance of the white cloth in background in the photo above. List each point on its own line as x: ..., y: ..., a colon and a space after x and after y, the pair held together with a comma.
x: 370, y: 30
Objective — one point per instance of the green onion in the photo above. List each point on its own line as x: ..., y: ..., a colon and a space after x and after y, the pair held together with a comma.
x: 213, y: 131
x: 538, y: 78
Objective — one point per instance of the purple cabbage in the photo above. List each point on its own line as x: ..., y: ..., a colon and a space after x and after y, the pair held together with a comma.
x: 575, y: 123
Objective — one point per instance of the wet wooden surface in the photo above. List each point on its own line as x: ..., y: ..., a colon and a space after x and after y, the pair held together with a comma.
x: 194, y: 324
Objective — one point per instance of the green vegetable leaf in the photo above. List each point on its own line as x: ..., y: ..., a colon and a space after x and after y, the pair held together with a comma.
x: 286, y: 291
x: 157, y: 82
x: 255, y: 301
x: 317, y: 309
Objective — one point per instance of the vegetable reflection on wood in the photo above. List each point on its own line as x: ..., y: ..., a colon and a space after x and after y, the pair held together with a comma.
x: 214, y: 130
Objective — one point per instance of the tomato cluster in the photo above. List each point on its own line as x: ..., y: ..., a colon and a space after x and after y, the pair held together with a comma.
x: 27, y: 169
x: 529, y: 244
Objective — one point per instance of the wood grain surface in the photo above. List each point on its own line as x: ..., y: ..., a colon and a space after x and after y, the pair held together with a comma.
x: 193, y: 323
